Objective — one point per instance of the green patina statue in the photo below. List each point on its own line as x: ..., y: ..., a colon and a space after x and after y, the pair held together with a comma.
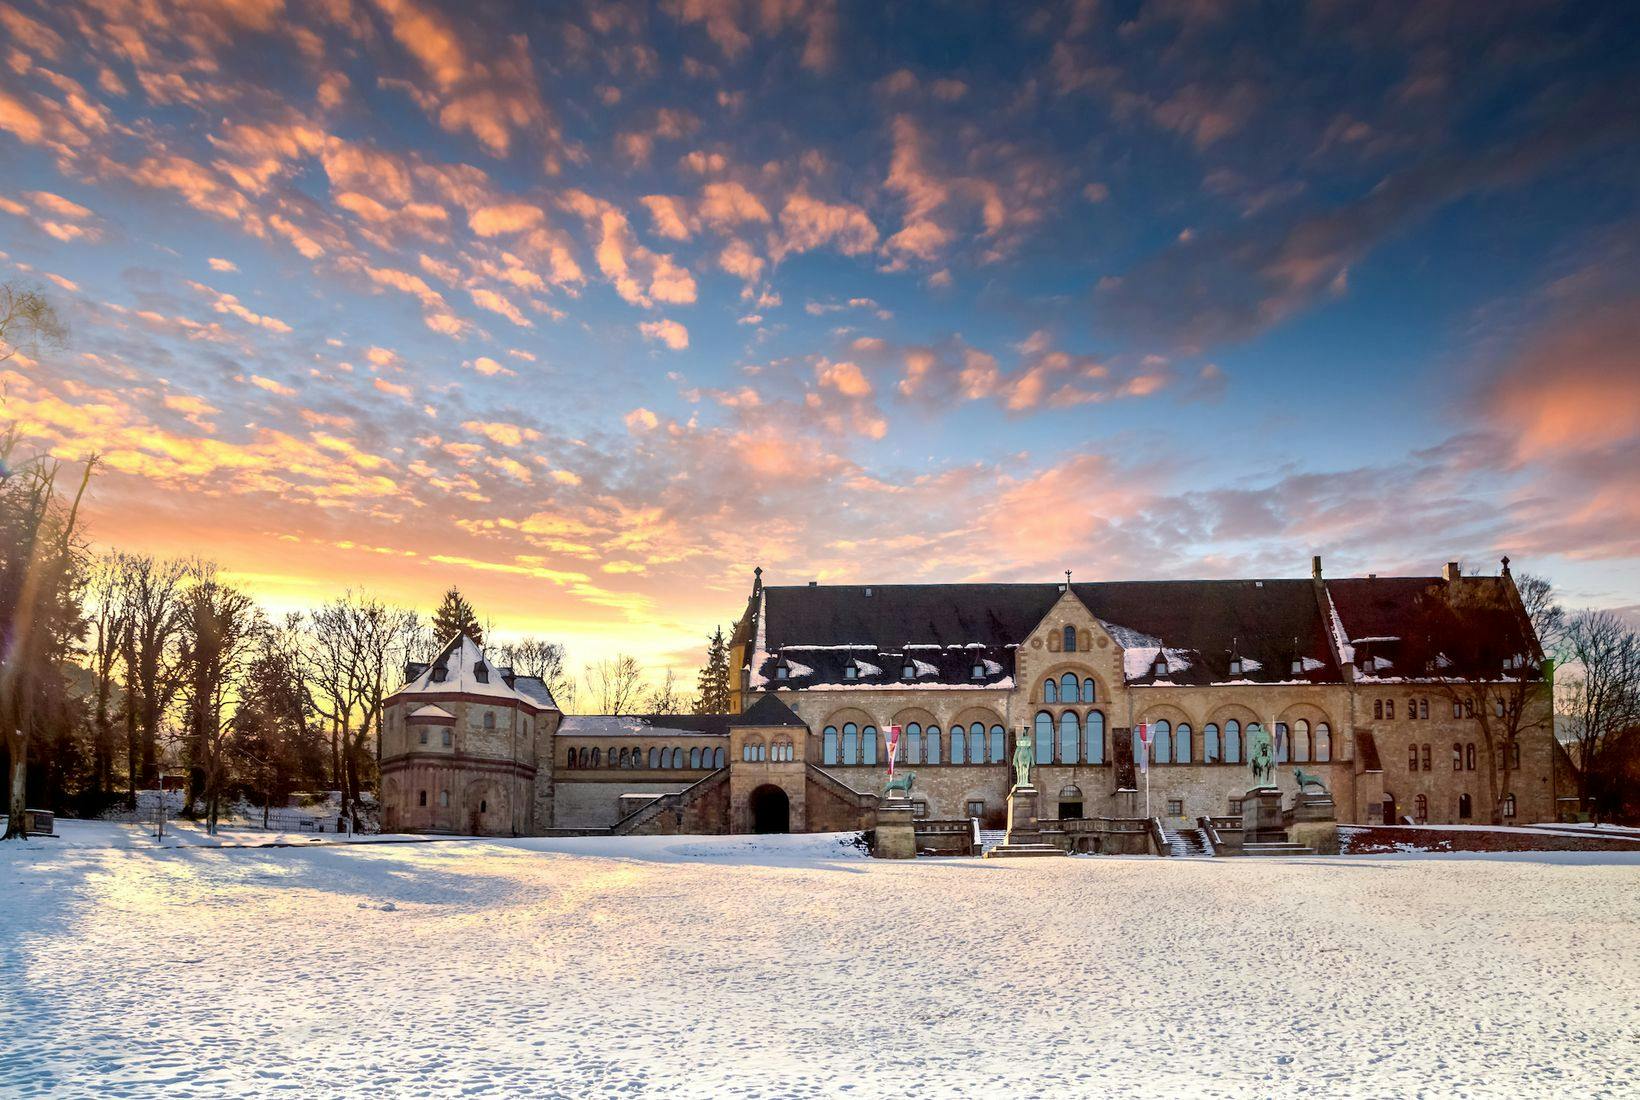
x: 1261, y: 756
x: 1023, y: 758
x: 1306, y: 781
x: 901, y: 782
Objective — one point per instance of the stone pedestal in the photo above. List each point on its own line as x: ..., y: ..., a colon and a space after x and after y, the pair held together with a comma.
x: 1315, y: 823
x: 1024, y: 837
x: 1022, y: 825
x: 895, y: 837
x: 1261, y: 817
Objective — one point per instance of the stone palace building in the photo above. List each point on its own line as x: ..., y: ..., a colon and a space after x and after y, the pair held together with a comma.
x: 1414, y: 699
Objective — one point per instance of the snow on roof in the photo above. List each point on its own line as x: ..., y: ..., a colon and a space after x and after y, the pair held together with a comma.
x: 431, y: 710
x: 647, y: 725
x: 462, y: 669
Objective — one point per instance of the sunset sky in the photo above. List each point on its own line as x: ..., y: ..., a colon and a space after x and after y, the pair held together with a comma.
x: 589, y: 309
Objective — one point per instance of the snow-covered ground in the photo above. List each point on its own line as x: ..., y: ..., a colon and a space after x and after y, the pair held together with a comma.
x: 793, y: 966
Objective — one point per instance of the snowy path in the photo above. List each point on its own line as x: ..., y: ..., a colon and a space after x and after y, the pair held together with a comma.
x: 792, y: 967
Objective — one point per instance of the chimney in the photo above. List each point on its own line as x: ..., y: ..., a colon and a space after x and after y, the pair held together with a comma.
x: 1315, y: 567
x: 1451, y: 572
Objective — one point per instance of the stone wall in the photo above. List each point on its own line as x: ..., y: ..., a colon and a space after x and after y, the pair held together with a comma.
x: 596, y: 805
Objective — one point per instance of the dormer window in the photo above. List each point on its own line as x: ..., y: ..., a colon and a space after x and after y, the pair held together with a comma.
x: 782, y: 671
x: 1298, y: 666
x: 908, y: 671
x: 978, y: 671
x: 481, y: 672
x: 1235, y: 667
x: 851, y: 671
x: 439, y: 672
x: 1160, y: 667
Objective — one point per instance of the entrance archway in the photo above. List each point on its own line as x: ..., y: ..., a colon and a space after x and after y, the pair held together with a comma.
x: 771, y: 810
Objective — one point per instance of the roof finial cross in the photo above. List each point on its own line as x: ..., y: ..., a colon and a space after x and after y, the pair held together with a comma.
x: 1067, y: 578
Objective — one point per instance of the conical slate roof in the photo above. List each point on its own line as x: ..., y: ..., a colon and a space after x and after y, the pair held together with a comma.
x: 462, y: 669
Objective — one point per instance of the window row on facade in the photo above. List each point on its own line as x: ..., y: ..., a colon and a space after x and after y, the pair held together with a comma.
x: 1417, y: 709
x: 656, y: 757
x: 1420, y: 758
x: 976, y: 743
x: 753, y: 750
x: 1296, y: 743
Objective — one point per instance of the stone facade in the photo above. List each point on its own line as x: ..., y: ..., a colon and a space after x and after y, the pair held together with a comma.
x: 1201, y: 664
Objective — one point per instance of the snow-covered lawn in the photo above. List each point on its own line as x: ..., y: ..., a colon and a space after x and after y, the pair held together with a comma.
x: 792, y: 966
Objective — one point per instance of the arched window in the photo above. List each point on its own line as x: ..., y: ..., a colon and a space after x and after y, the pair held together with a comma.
x: 1323, y: 742
x: 1070, y: 736
x: 1284, y: 745
x: 1253, y: 730
x: 586, y: 756
x: 1421, y: 812
x: 1070, y: 639
x: 1457, y: 757
x: 1412, y: 758
x: 1427, y: 758
x: 1042, y: 737
x: 1232, y: 742
x: 489, y: 719
x: 851, y: 743
x: 422, y: 798
x: 1508, y: 805
x: 1301, y: 742
x: 1089, y: 693
x: 1465, y: 807
x: 1161, y: 742
x: 1067, y: 688
x: 959, y: 745
x: 931, y: 745
x: 747, y: 752
x: 1181, y: 744
x: 694, y: 757
x: 1469, y: 756
x: 828, y: 745
x: 976, y: 743
x: 626, y: 755
x: 1210, y: 744
x: 596, y: 753
x: 570, y: 763
x: 1050, y: 691
x: 1423, y: 708
x: 654, y: 757
x: 717, y: 758
x: 913, y: 743
x: 1096, y: 737
x: 999, y: 753
x: 868, y: 745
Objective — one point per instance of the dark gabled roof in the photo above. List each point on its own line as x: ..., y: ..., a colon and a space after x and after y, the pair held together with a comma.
x: 1270, y: 622
x: 767, y: 711
x: 1469, y: 626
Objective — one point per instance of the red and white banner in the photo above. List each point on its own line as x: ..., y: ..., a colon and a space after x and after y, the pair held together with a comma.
x: 893, y: 733
x: 1143, y: 733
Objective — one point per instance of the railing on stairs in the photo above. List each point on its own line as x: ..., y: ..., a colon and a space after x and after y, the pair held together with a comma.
x: 1158, y: 837
x: 859, y: 798
x: 649, y: 811
x: 1210, y: 835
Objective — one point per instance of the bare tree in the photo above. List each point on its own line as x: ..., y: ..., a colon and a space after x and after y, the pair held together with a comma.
x: 106, y: 606
x: 1600, y: 693
x: 221, y: 628
x: 666, y: 699
x: 39, y: 611
x: 27, y: 321
x: 153, y: 612
x: 547, y: 662
x: 357, y: 645
x: 615, y: 684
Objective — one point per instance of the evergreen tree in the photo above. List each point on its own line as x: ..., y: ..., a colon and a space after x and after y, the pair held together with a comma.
x: 456, y: 614
x: 713, y: 697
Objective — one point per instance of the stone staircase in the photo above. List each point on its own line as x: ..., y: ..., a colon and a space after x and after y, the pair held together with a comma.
x: 990, y: 838
x: 1187, y: 842
x: 643, y: 815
